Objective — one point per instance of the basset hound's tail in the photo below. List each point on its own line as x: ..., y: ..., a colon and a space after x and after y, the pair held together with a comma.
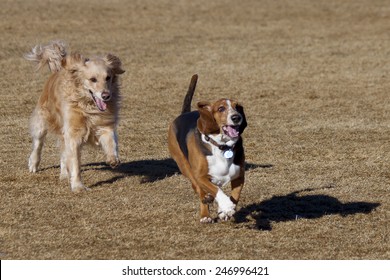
x: 190, y: 93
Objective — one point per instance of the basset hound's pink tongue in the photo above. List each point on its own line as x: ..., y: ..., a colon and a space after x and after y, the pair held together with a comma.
x: 102, y: 106
x: 232, y: 131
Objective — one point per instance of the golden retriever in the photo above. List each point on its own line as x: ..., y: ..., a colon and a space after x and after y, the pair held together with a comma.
x: 79, y: 103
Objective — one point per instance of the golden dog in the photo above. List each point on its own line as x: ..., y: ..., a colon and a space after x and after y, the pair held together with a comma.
x: 79, y: 103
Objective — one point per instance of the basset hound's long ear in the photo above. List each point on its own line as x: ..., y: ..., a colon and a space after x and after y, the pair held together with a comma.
x: 206, y: 122
x: 240, y: 109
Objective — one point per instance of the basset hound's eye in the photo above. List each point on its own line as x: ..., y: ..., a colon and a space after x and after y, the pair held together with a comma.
x: 221, y: 109
x: 108, y: 78
x: 93, y: 80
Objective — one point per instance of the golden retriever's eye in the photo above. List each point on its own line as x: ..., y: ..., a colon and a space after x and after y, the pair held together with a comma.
x: 93, y: 80
x: 221, y: 109
x: 108, y: 78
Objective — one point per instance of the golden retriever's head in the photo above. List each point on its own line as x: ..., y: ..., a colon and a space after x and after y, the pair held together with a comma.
x: 97, y: 76
x: 224, y: 117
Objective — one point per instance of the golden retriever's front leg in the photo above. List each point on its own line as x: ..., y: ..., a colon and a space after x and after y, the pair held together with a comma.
x: 72, y: 161
x: 109, y: 141
x: 64, y: 171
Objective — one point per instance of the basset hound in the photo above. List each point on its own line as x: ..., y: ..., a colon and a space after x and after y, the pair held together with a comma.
x: 208, y: 149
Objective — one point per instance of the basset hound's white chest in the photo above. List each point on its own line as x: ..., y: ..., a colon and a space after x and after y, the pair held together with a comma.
x: 221, y: 169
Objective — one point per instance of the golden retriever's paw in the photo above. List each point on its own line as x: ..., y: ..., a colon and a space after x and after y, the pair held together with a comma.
x: 32, y: 166
x: 206, y: 220
x: 63, y: 175
x: 114, y: 163
x: 78, y: 188
x: 33, y: 169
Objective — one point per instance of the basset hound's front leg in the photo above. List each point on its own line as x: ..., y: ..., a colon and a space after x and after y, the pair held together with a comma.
x: 226, y: 208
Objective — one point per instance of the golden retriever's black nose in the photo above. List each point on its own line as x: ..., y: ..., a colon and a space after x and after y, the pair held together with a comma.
x: 106, y: 95
x: 236, y: 118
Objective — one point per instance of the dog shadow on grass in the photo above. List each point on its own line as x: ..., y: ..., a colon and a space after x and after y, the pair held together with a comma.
x: 150, y: 170
x: 293, y: 207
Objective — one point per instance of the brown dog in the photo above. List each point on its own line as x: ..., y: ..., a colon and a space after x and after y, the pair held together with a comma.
x: 79, y: 103
x: 207, y: 146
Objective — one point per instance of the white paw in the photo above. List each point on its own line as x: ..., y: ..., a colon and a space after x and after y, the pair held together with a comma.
x: 32, y: 166
x: 206, y: 220
x: 63, y: 174
x: 79, y: 187
x: 226, y: 208
x: 32, y: 169
x: 226, y: 215
x: 113, y: 162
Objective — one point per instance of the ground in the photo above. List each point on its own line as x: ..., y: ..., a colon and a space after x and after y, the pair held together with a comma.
x: 314, y: 79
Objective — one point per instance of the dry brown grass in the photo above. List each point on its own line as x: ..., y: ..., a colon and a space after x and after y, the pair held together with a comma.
x: 314, y: 77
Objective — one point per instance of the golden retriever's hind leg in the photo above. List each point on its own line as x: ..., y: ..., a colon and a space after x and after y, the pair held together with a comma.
x: 35, y: 157
x: 109, y: 142
x: 38, y: 133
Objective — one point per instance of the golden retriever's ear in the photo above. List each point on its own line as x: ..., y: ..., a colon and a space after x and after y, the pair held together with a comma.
x: 73, y: 61
x: 114, y: 63
x: 240, y: 109
x: 206, y: 122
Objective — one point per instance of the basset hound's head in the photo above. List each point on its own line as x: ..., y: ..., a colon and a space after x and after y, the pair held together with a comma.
x: 224, y: 117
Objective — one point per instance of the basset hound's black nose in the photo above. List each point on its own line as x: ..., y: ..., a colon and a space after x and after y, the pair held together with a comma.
x: 236, y: 118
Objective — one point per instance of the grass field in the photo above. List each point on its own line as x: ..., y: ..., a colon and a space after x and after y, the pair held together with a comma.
x: 313, y: 76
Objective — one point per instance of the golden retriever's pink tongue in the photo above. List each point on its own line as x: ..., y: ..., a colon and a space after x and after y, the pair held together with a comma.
x: 100, y: 104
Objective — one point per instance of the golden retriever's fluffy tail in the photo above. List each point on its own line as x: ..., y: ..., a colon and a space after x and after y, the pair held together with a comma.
x: 51, y: 54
